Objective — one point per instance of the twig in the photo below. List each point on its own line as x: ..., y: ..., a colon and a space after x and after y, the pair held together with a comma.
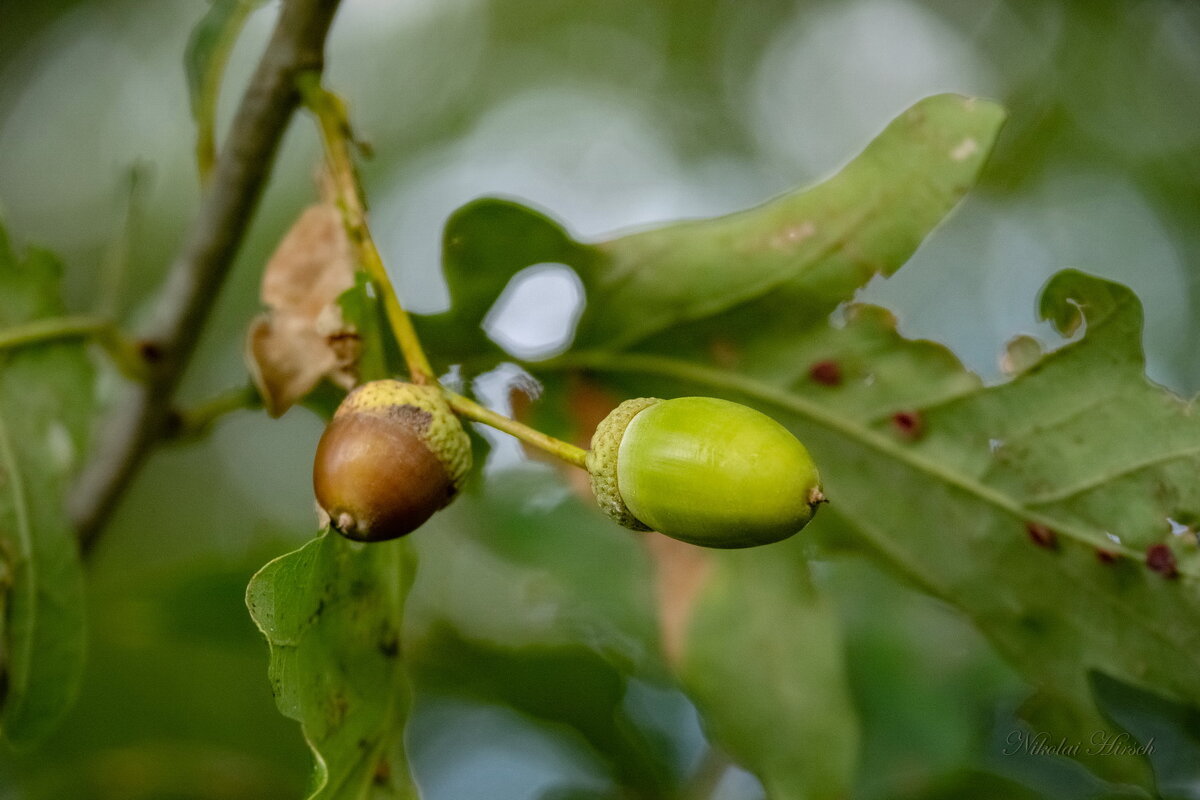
x: 296, y: 47
x: 104, y: 331
x: 193, y: 422
x: 335, y: 135
x: 52, y: 328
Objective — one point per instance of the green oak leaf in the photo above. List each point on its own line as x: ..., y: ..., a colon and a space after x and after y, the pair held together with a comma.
x: 204, y: 61
x: 1080, y: 452
x: 788, y: 261
x: 1080, y: 444
x: 332, y: 613
x: 762, y: 659
x: 486, y: 243
x: 567, y: 686
x: 801, y: 253
x: 46, y: 396
x: 378, y: 356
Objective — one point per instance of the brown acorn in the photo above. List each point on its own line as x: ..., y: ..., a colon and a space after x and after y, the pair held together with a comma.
x: 393, y: 454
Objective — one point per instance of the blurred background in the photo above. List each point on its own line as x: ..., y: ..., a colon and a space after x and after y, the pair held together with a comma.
x: 610, y: 114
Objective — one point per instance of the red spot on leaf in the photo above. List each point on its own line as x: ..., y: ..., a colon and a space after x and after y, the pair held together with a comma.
x: 1041, y: 535
x: 1105, y: 556
x: 1160, y: 559
x: 908, y: 424
x: 826, y: 373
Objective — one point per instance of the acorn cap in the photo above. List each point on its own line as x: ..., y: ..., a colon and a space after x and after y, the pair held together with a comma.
x: 602, y: 461
x: 393, y: 454
x: 441, y: 429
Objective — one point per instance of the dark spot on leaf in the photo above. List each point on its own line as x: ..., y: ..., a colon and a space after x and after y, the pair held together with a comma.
x: 826, y: 373
x: 338, y: 705
x: 1041, y: 535
x: 1106, y: 556
x: 316, y: 615
x: 908, y: 424
x: 389, y: 645
x: 151, y: 352
x: 173, y: 424
x: 383, y: 773
x: 1160, y: 559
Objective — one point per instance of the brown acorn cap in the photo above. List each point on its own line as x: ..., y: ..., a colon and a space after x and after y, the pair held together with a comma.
x: 602, y: 461
x: 393, y: 454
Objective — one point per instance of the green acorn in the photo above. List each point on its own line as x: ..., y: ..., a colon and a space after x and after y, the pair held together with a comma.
x: 702, y: 470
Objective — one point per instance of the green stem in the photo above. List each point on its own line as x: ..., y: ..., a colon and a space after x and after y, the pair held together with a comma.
x: 123, y: 351
x: 195, y: 421
x: 330, y: 114
x: 780, y: 398
x: 566, y: 451
x: 114, y: 268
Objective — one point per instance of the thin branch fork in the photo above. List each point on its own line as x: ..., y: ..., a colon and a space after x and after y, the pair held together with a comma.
x: 210, y: 246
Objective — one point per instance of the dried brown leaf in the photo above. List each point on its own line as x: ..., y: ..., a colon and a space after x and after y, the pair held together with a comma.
x: 302, y: 338
x: 312, y: 265
x: 286, y: 359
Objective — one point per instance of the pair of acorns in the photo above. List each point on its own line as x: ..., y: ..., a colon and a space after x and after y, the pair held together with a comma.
x: 702, y: 470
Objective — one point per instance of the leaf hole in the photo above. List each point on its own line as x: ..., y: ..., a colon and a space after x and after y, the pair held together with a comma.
x: 536, y: 314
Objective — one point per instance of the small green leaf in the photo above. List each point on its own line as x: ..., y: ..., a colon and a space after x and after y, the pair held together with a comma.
x: 46, y: 395
x: 204, y: 62
x: 763, y: 661
x: 332, y: 612
x: 1167, y: 731
x: 486, y: 243
x: 378, y: 357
